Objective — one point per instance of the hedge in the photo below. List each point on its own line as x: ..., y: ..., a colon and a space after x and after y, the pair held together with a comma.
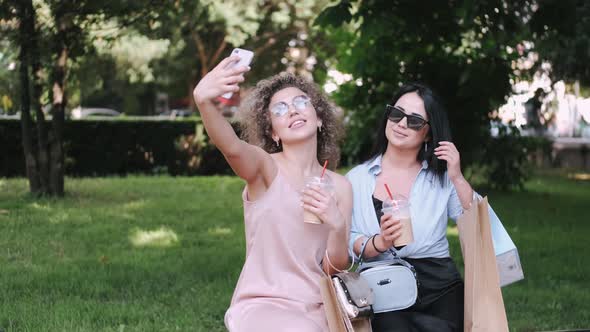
x: 120, y: 147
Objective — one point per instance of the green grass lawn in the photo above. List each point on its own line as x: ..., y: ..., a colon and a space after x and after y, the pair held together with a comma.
x: 163, y: 254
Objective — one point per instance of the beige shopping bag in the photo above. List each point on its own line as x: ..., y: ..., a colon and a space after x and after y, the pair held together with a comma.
x: 484, y: 306
x: 337, y: 319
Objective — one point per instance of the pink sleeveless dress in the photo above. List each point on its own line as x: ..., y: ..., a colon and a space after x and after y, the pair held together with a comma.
x: 278, y: 289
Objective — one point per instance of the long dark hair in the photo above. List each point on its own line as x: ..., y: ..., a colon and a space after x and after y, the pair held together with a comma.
x: 439, y: 128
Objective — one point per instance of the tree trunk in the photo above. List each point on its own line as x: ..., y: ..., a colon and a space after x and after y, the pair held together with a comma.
x: 25, y: 28
x: 56, y: 168
x: 42, y: 144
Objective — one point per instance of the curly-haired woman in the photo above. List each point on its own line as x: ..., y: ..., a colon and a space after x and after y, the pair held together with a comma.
x: 290, y: 129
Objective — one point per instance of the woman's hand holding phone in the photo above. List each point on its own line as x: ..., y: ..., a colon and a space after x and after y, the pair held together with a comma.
x: 245, y: 58
x: 222, y: 79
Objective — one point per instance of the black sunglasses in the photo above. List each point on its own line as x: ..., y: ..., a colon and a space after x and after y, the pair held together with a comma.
x: 395, y: 114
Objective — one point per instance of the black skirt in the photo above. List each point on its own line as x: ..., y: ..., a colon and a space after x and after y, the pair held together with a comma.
x: 439, y: 307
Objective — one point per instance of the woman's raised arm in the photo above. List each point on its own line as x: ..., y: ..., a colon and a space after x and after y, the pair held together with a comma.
x: 249, y: 162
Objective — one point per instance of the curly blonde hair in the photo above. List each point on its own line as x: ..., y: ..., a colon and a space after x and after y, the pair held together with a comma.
x: 255, y: 122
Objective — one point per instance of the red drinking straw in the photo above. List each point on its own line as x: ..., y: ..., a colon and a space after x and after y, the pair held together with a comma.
x: 388, y: 191
x: 324, y: 170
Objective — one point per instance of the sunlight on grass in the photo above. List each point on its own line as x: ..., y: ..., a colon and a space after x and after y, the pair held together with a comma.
x: 40, y: 207
x: 452, y: 231
x: 162, y: 237
x: 223, y: 231
x: 59, y: 217
x: 126, y: 216
x: 2, y: 183
x: 579, y: 176
x: 135, y: 205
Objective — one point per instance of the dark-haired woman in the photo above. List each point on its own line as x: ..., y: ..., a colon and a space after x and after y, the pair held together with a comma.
x: 415, y: 157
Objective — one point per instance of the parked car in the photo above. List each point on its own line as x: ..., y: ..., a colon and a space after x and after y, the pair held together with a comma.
x: 177, y: 113
x: 4, y: 115
x: 93, y: 112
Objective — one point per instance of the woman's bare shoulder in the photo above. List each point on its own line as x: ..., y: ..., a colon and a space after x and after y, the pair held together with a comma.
x: 341, y: 183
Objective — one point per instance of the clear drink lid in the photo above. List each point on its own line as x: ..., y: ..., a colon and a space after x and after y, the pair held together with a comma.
x: 324, y: 182
x: 398, y: 202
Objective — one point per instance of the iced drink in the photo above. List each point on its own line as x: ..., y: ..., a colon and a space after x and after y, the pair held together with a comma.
x: 399, y: 208
x: 326, y: 184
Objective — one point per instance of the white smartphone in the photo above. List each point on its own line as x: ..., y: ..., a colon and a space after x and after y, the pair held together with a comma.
x: 245, y: 60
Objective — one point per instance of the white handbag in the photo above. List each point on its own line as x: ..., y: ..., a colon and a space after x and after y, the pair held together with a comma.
x: 393, y: 281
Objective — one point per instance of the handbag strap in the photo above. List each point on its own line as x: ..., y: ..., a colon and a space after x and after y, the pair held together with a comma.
x: 370, y: 239
x: 394, y: 260
x: 363, y: 247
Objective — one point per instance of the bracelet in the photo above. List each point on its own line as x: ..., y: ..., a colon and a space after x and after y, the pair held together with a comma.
x: 335, y: 268
x: 374, y: 246
x: 363, y: 244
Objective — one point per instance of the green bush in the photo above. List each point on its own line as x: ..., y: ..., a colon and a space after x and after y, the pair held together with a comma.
x: 506, y: 160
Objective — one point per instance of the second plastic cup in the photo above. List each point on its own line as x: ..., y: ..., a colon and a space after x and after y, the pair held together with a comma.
x: 399, y: 208
x: 326, y: 184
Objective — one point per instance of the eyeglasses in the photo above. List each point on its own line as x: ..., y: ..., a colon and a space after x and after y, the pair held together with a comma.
x: 281, y: 108
x: 396, y: 115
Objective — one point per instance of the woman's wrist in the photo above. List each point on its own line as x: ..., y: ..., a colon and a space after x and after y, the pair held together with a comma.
x: 377, y: 246
x: 464, y: 191
x: 458, y: 179
x: 338, y: 230
x: 203, y: 104
x: 336, y: 223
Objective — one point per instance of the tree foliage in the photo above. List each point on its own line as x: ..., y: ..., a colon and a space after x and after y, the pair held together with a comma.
x: 177, y: 43
x: 50, y: 36
x: 457, y: 47
x: 202, y: 33
x: 123, y: 52
x: 560, y: 31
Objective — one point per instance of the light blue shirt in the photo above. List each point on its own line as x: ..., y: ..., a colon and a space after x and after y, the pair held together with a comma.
x: 431, y: 205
